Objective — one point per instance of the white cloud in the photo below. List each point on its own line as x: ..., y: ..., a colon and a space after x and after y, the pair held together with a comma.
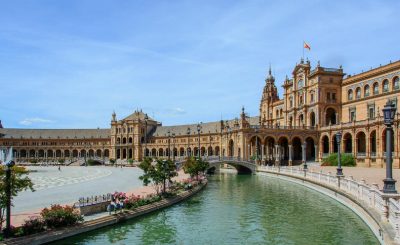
x: 30, y: 121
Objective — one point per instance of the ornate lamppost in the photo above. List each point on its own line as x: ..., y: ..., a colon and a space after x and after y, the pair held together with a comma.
x: 198, y: 133
x: 389, y: 112
x: 187, y: 150
x: 339, y: 171
x: 146, y: 118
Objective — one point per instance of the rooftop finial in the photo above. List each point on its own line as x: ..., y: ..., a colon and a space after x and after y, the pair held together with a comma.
x: 1, y: 126
x: 269, y: 71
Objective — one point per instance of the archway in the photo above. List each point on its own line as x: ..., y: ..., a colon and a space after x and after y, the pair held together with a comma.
x: 22, y: 153
x: 330, y: 117
x: 118, y: 154
x: 255, y: 147
x: 67, y: 153
x: 325, y: 144
x: 153, y: 152
x: 40, y: 153
x: 297, y: 149
x: 283, y: 150
x: 361, y: 144
x: 209, y: 151
x: 217, y: 150
x: 310, y: 149
x: 372, y: 143
x: 75, y: 153
x: 181, y: 151
x: 106, y: 153
x: 269, y: 149
x: 98, y: 153
x: 231, y: 148
x: 348, y: 143
x: 123, y: 153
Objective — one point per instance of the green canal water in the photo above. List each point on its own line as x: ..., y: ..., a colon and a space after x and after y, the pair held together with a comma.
x: 242, y: 209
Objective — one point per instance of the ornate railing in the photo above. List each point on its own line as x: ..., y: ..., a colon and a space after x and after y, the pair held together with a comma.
x: 87, y: 201
x: 386, y: 205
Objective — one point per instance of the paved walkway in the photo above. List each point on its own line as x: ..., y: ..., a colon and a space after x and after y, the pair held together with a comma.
x: 66, y: 186
x: 370, y: 175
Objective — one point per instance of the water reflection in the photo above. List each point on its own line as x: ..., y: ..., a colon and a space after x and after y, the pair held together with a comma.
x: 238, y: 209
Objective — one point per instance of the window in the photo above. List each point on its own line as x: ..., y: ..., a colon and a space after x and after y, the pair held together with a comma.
x: 358, y: 93
x: 350, y: 94
x: 334, y: 96
x: 376, y: 88
x: 396, y: 83
x: 352, y: 114
x: 328, y: 96
x: 312, y: 98
x: 385, y: 86
x: 300, y: 84
x: 301, y: 100
x: 371, y: 111
x: 366, y: 91
x: 291, y: 102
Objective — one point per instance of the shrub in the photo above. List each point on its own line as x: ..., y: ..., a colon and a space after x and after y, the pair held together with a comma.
x: 346, y: 160
x: 130, y: 161
x: 59, y: 216
x: 33, y: 161
x: 92, y: 162
x: 62, y: 160
x: 33, y: 225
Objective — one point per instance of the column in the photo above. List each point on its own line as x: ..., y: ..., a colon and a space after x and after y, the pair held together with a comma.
x: 277, y: 155
x: 303, y: 152
x: 316, y: 153
x: 248, y: 152
x: 337, y: 117
x: 262, y: 152
x: 290, y: 154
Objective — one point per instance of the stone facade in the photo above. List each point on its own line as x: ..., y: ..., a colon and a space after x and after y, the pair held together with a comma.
x: 300, y: 126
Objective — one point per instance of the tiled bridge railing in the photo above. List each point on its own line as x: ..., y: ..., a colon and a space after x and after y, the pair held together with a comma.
x: 386, y: 205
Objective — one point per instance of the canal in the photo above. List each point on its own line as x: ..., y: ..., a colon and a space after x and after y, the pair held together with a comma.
x: 242, y: 209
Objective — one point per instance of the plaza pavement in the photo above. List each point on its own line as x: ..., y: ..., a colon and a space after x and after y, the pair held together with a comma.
x: 66, y: 186
x: 370, y: 175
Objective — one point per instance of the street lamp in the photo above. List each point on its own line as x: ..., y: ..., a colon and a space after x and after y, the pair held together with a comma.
x: 169, y: 145
x: 188, y: 134
x: 389, y: 111
x: 198, y: 133
x: 339, y: 171
x: 146, y: 118
x: 173, y: 147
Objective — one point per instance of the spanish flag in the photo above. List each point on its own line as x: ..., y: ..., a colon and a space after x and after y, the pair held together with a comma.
x: 307, y: 46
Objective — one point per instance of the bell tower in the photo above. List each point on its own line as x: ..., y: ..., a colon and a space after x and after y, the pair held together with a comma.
x: 269, y: 96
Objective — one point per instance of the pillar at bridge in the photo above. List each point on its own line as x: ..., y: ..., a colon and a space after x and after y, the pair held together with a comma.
x: 290, y: 154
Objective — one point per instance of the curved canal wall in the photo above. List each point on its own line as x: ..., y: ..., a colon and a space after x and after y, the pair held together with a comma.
x: 380, y: 211
x: 54, y: 235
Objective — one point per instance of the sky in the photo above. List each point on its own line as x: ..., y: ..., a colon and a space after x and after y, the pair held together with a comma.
x: 70, y: 64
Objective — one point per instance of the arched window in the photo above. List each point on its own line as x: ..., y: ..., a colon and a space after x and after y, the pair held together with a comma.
x: 385, y: 86
x: 358, y: 93
x: 396, y: 83
x: 366, y: 90
x: 277, y: 113
x: 291, y: 102
x: 300, y: 84
x: 350, y: 94
x: 376, y: 88
x: 301, y: 100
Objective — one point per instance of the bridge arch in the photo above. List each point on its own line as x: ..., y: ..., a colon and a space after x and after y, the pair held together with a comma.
x: 242, y: 167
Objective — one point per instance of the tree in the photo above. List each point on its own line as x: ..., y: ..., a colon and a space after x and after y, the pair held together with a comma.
x: 195, y: 166
x: 19, y: 182
x: 157, y: 172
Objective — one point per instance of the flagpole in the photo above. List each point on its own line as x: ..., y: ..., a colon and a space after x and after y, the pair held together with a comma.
x: 303, y: 49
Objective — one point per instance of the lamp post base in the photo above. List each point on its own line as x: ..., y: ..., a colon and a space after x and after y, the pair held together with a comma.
x: 389, y: 186
x: 305, y: 167
x: 339, y: 172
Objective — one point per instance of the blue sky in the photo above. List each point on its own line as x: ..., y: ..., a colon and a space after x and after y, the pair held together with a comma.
x: 69, y: 64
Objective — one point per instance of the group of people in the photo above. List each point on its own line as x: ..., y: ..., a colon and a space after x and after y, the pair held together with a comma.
x: 115, y: 205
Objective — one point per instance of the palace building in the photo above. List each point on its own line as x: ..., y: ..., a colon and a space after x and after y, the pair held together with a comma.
x: 299, y: 126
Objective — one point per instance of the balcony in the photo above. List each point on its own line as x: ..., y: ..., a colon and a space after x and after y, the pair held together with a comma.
x: 331, y: 101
